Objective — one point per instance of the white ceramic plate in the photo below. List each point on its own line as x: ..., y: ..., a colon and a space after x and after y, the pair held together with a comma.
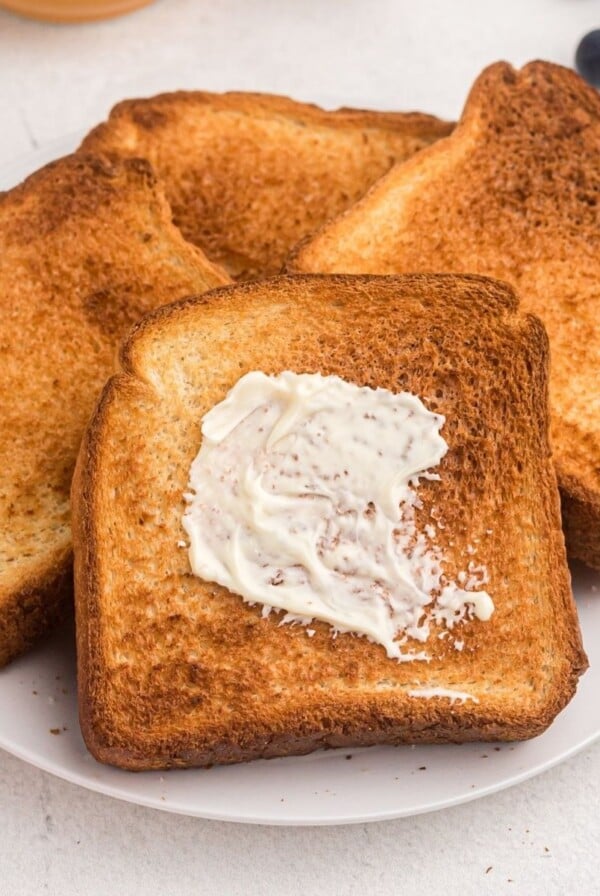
x: 38, y: 723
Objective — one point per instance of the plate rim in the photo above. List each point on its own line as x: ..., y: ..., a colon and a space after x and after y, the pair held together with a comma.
x: 88, y: 783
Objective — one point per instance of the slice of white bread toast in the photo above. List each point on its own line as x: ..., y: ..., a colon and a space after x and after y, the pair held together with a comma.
x: 249, y: 175
x: 176, y: 671
x: 513, y: 193
x: 86, y: 248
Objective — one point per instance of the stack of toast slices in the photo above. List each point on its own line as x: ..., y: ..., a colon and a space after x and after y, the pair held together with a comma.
x: 454, y: 267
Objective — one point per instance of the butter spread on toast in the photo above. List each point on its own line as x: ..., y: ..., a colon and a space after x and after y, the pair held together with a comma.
x: 303, y: 496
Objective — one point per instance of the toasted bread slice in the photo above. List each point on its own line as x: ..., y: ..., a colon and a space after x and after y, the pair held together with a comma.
x: 86, y: 248
x: 513, y: 193
x: 176, y: 671
x: 248, y: 175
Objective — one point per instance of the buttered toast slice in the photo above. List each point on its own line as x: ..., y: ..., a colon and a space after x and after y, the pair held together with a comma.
x: 248, y: 175
x: 513, y: 193
x: 176, y: 670
x: 86, y: 248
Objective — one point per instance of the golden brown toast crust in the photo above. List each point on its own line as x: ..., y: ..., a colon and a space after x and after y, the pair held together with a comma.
x: 174, y: 671
x: 86, y: 248
x: 249, y: 174
x: 37, y: 607
x: 512, y: 193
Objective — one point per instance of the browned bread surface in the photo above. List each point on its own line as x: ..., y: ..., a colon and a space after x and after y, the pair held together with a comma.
x: 248, y: 175
x: 175, y: 671
x: 513, y: 193
x: 86, y: 248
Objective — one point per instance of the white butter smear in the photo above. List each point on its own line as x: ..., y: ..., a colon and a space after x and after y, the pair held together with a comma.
x: 303, y: 497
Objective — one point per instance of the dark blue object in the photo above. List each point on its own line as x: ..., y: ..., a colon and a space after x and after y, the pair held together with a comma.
x: 587, y: 57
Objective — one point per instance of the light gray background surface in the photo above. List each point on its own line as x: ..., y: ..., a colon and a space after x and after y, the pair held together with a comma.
x: 540, y: 837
